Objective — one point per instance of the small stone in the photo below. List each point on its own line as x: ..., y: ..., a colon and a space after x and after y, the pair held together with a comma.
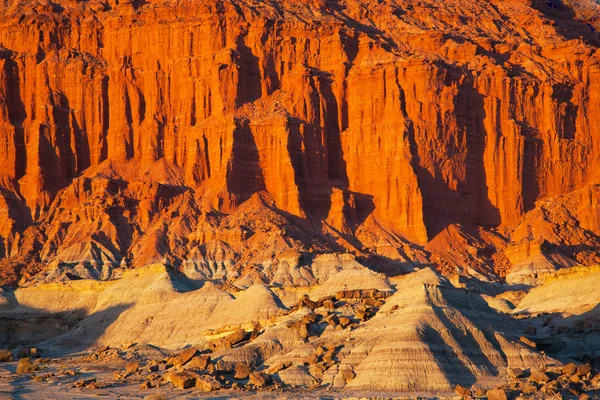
x: 242, y: 371
x: 278, y: 366
x: 515, y: 373
x: 328, y: 304
x: 5, y: 356
x: 528, y: 342
x: 199, y: 363
x: 584, y: 369
x: 146, y: 385
x: 529, y: 389
x: 584, y: 396
x: 183, y: 357
x: 26, y: 366
x: 132, y: 367
x: 344, y: 322
x: 311, y: 360
x: 207, y: 383
x: 347, y: 374
x: 319, y: 351
x: 462, y: 391
x: 258, y: 379
x: 496, y: 394
x: 539, y: 377
x: 181, y: 380
x: 569, y: 369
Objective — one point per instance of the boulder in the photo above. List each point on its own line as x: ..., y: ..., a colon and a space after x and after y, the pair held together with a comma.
x: 528, y: 342
x: 496, y: 394
x: 207, y: 383
x: 462, y: 391
x: 181, y: 380
x: 242, y: 371
x: 5, y: 356
x: 569, y: 369
x: 183, y: 357
x: 132, y: 367
x: 199, y: 363
x: 515, y: 373
x: 258, y: 379
x: 26, y: 366
x: 584, y: 369
x: 347, y: 373
x: 539, y: 377
x: 344, y: 322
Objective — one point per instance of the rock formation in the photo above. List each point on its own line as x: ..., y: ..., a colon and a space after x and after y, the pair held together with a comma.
x: 131, y: 132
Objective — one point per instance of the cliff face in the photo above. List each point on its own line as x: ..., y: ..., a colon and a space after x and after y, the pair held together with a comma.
x: 130, y: 128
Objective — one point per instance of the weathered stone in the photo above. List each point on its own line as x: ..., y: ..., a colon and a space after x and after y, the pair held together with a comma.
x: 242, y: 370
x: 5, y: 356
x: 199, y: 363
x: 539, y: 377
x: 183, y: 357
x: 26, y: 366
x: 181, y: 380
x: 569, y: 369
x: 584, y: 369
x: 462, y: 391
x: 258, y: 379
x: 528, y: 342
x: 344, y: 322
x: 132, y: 367
x: 515, y: 373
x: 496, y: 394
x: 207, y: 383
x: 347, y: 373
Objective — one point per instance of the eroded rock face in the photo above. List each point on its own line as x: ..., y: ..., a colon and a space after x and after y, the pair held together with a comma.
x: 130, y: 131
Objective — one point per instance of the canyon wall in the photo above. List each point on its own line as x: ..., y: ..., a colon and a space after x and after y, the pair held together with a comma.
x: 124, y: 125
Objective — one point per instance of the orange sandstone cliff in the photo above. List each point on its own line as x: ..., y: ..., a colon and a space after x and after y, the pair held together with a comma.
x: 223, y: 136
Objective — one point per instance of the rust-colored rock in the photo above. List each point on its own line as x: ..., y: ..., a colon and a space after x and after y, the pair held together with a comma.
x: 115, y: 149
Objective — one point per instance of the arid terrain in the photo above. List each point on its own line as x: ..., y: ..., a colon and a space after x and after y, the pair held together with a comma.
x: 299, y: 199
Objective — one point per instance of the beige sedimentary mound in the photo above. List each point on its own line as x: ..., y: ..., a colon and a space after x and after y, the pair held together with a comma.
x: 432, y: 336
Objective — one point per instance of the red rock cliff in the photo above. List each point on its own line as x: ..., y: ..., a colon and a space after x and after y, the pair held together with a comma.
x: 408, y: 116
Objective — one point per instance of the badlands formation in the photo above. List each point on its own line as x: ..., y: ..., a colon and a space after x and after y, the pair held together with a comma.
x: 317, y: 198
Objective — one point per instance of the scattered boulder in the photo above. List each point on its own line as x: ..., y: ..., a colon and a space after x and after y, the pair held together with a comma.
x: 332, y: 320
x: 153, y: 366
x: 199, y: 363
x: 183, y: 357
x: 584, y: 369
x: 307, y: 302
x: 311, y: 360
x: 496, y: 394
x: 5, y: 356
x: 132, y: 367
x: 229, y: 341
x: 181, y: 380
x: 515, y: 373
x: 146, y: 385
x: 462, y: 391
x: 539, y: 377
x: 347, y: 373
x: 258, y: 379
x: 344, y: 322
x: 569, y: 369
x: 528, y: 342
x: 278, y: 366
x: 26, y: 366
x: 207, y: 383
x: 327, y: 303
x: 85, y: 383
x: 242, y: 371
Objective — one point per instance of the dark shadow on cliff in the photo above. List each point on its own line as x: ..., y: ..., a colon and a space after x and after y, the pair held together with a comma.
x: 566, y: 21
